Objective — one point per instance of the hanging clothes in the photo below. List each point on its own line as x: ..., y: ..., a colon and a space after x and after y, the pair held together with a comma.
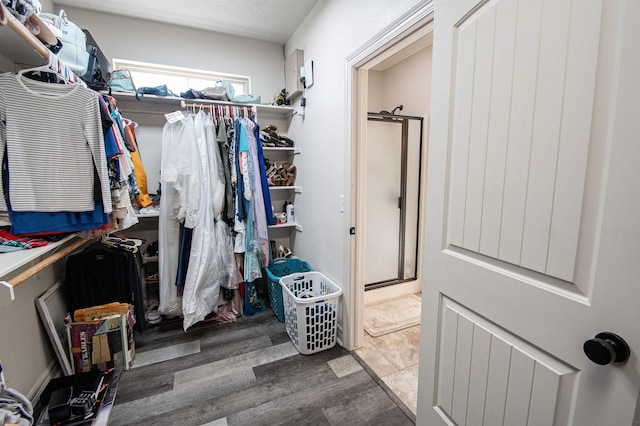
x: 253, y: 208
x: 104, y: 273
x: 223, y: 143
x: 69, y: 145
x: 180, y: 179
x: 55, y: 176
x: 142, y: 197
x: 210, y: 176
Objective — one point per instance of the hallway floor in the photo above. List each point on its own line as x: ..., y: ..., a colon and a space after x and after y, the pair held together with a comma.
x: 394, y: 359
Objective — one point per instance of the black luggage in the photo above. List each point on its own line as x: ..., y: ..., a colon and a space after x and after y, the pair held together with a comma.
x: 99, y: 70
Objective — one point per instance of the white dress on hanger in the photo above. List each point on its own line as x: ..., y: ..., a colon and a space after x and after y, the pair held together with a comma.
x: 201, y: 289
x: 180, y: 200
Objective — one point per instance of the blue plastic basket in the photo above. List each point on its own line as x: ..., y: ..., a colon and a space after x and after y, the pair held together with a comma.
x: 277, y: 269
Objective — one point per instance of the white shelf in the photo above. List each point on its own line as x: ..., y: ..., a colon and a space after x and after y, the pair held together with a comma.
x: 294, y: 150
x: 284, y: 111
x: 297, y: 226
x: 149, y: 259
x: 297, y: 189
x: 175, y: 103
x: 151, y: 214
x: 11, y: 261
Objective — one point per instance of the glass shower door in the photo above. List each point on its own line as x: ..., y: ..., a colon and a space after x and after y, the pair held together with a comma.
x: 393, y: 152
x: 382, y: 215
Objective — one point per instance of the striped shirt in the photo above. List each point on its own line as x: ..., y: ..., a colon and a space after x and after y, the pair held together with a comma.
x: 53, y: 138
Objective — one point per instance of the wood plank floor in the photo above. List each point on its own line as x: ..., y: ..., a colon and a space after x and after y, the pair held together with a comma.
x: 246, y: 373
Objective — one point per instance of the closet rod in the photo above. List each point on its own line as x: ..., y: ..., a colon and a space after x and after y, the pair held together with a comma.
x: 25, y: 275
x: 25, y: 34
x: 210, y: 103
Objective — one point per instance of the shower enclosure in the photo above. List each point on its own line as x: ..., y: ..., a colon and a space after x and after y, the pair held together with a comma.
x: 392, y: 198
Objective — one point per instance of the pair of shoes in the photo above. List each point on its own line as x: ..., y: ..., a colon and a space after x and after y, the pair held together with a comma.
x: 281, y: 173
x: 153, y: 316
x: 269, y: 137
x: 152, y: 249
x: 284, y: 252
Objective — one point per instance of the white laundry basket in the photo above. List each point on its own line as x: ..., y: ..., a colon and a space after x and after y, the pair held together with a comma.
x: 311, y: 310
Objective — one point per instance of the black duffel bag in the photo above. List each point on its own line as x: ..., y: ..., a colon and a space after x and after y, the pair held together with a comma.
x: 99, y: 70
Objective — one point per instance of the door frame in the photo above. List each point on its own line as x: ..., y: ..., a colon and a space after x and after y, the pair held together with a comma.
x: 412, y: 25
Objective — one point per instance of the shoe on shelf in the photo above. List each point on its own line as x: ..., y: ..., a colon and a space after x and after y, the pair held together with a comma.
x: 284, y: 251
x: 153, y: 316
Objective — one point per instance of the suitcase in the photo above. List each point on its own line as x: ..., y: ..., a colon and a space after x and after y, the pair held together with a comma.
x: 99, y: 70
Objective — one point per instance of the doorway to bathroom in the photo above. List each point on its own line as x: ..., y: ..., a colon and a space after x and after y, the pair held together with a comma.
x: 392, y: 91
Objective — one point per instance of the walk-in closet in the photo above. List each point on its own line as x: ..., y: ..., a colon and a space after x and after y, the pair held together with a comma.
x: 176, y: 204
x: 325, y: 212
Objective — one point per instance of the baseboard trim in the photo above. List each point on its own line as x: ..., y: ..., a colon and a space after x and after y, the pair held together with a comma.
x: 52, y: 371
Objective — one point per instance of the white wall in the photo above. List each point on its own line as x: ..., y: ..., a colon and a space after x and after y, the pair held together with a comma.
x: 48, y: 6
x: 25, y: 350
x: 332, y: 31
x: 375, y: 97
x: 409, y: 83
x: 146, y: 41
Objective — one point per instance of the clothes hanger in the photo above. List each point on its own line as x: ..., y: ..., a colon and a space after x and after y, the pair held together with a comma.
x: 53, y: 66
x: 128, y: 121
x: 119, y: 243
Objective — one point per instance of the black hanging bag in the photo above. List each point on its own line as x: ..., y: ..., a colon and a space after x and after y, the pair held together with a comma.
x: 99, y: 70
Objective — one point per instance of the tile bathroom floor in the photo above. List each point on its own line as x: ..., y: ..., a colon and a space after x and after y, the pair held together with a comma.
x: 393, y: 358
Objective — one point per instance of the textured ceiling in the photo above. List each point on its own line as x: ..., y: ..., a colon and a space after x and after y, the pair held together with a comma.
x: 271, y: 20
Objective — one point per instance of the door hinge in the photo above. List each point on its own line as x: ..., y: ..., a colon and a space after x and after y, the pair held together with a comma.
x: 352, y: 230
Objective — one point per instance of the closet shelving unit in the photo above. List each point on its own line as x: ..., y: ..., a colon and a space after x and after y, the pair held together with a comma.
x: 283, y: 234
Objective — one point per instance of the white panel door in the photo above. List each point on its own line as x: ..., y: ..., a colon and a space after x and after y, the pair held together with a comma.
x: 532, y: 242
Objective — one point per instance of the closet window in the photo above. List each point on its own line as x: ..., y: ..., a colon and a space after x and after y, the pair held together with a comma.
x: 180, y: 79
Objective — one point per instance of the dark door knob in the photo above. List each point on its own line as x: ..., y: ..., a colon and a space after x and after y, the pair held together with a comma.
x: 606, y: 348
